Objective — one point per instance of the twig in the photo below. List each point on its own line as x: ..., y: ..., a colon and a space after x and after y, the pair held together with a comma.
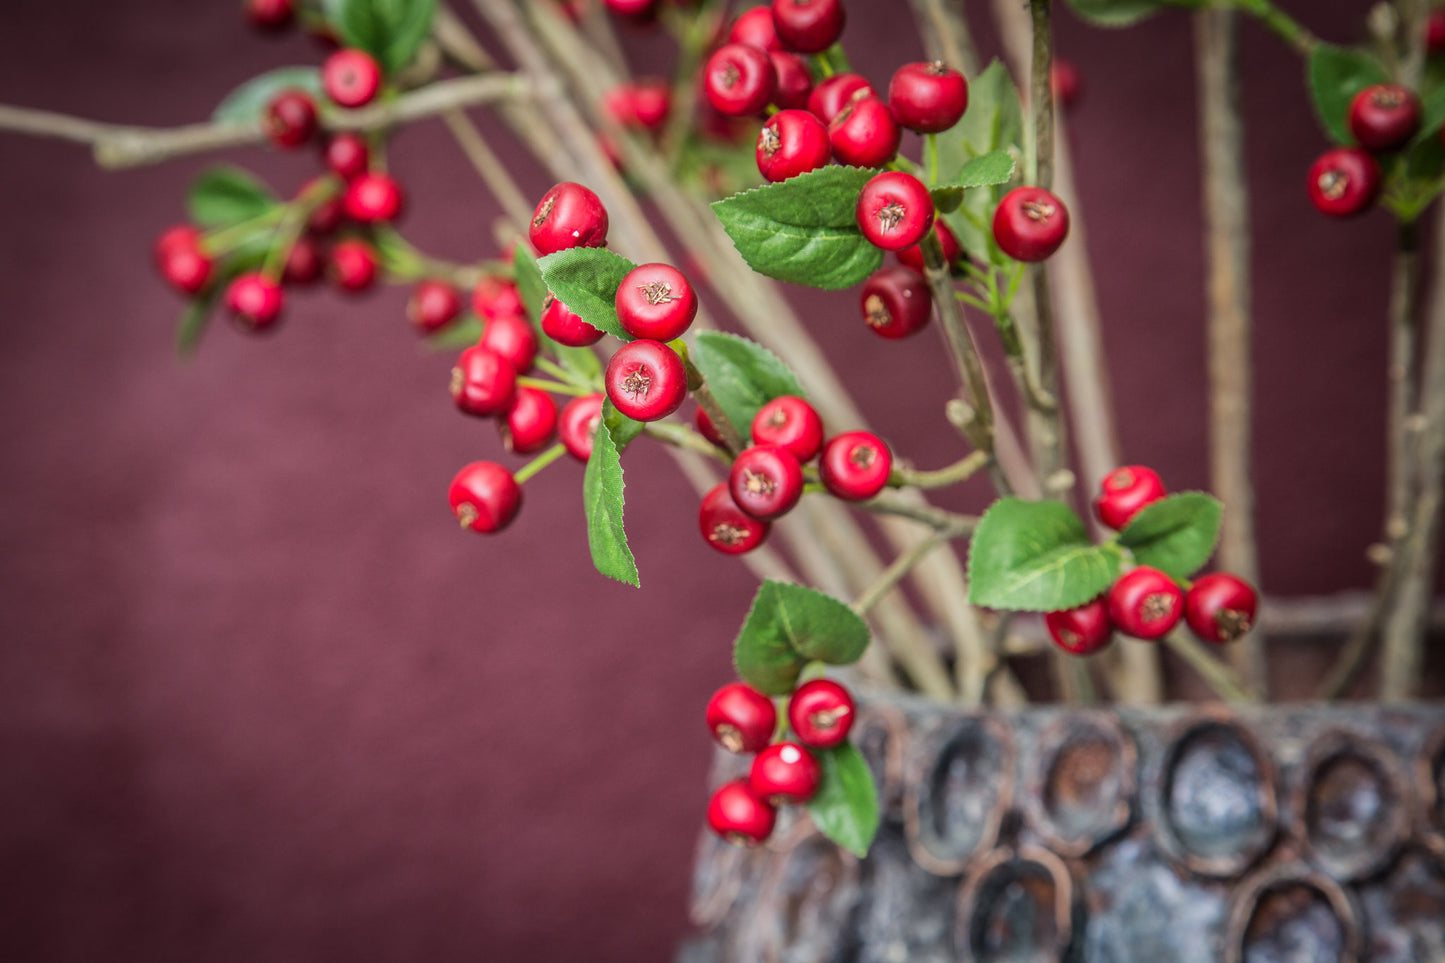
x: 1216, y: 674
x: 681, y: 436
x: 900, y: 567
x: 937, y: 518
x: 960, y: 471
x: 945, y: 34
x: 489, y: 167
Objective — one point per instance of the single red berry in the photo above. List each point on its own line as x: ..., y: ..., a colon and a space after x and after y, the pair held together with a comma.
x: 795, y: 81
x: 821, y: 713
x: 1344, y: 181
x: 728, y: 528
x: 740, y: 718
x: 755, y: 28
x: 1384, y: 117
x: 326, y: 218
x: 290, y: 119
x: 952, y: 250
x: 927, y: 97
x: 578, y: 424
x: 738, y: 816
x: 483, y: 383
x: 808, y: 26
x: 792, y: 423
x: 485, y: 497
x: 655, y: 301
x: 864, y: 133
x: 347, y: 155
x: 511, y: 337
x: 180, y: 235
x: 1083, y: 630
x: 836, y: 92
x: 785, y: 773
x: 631, y: 8
x: 739, y: 80
x: 1435, y: 31
x: 641, y: 104
x: 894, y: 210
x: 855, y: 465
x: 530, y: 423
x: 255, y: 300
x: 706, y: 428
x: 564, y: 327
x: 304, y: 262
x: 766, y: 481
x: 896, y: 302
x: 1220, y: 607
x: 181, y: 261
x: 353, y: 265
x: 270, y: 15
x: 1030, y: 224
x: 372, y: 198
x: 494, y: 297
x: 1124, y: 491
x: 1066, y: 82
x: 792, y: 142
x: 645, y: 380
x: 1145, y: 603
x: 433, y: 305
x: 569, y: 215
x: 351, y: 77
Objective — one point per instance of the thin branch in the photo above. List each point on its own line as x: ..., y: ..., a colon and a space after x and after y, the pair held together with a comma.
x: 939, y: 519
x: 489, y: 167
x: 1218, y: 675
x: 900, y: 567
x: 682, y: 436
x: 960, y: 471
x: 945, y: 34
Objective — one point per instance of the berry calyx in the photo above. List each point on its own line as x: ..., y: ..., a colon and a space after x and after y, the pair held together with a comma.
x: 1145, y: 603
x: 795, y: 82
x: 485, y: 497
x: 728, y: 528
x: 347, y: 155
x: 855, y: 465
x: 1344, y: 181
x: 792, y: 423
x: 513, y: 339
x: 785, y: 773
x: 896, y: 302
x: 655, y: 301
x: 351, y: 77
x: 578, y: 425
x: 1030, y: 224
x: 830, y: 96
x: 738, y: 816
x: 1220, y: 607
x: 821, y: 713
x: 483, y: 383
x: 740, y: 718
x: 1083, y: 630
x: 290, y: 119
x: 645, y: 380
x: 373, y: 198
x: 1124, y: 491
x: 1384, y: 117
x: 755, y: 28
x: 353, y: 265
x: 952, y: 250
x: 894, y: 210
x: 766, y: 481
x: 530, y: 422
x: 270, y: 15
x: 792, y: 142
x: 808, y: 26
x: 739, y: 80
x: 181, y: 261
x: 564, y: 327
x: 494, y: 297
x: 255, y: 300
x: 864, y: 133
x: 433, y: 305
x: 927, y: 97
x: 569, y: 215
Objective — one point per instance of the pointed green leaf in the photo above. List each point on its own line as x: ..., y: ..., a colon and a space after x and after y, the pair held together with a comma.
x: 845, y: 808
x: 586, y: 280
x: 247, y: 103
x: 223, y: 196
x: 1432, y: 116
x: 1036, y: 557
x: 742, y: 374
x: 992, y: 123
x: 1336, y: 75
x: 985, y: 170
x: 528, y: 278
x: 602, y: 489
x: 389, y: 30
x: 790, y: 625
x: 1176, y: 534
x: 194, y: 320
x: 622, y: 428
x: 461, y: 333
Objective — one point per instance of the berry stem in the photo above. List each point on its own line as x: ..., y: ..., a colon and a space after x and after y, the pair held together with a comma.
x: 566, y: 375
x: 731, y: 437
x: 932, y: 141
x: 681, y: 436
x: 534, y: 466
x: 945, y: 34
x: 402, y: 259
x: 220, y: 241
x: 960, y: 471
x: 901, y: 566
x: 938, y: 518
x: 1286, y: 27
x: 1225, y: 682
x: 555, y: 387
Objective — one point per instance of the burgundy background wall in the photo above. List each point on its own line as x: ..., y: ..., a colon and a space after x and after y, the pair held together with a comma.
x: 260, y: 699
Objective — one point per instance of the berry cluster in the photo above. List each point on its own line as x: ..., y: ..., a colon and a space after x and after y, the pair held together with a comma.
x: 1345, y: 181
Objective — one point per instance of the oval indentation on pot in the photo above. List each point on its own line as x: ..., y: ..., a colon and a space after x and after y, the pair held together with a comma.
x: 1290, y: 913
x: 953, y: 812
x: 1084, y: 790
x: 1218, y: 808
x: 881, y: 735
x: 1016, y: 908
x: 810, y: 891
x: 1430, y: 793
x: 1353, y: 804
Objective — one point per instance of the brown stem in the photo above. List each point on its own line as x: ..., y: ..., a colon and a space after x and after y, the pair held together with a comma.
x: 1218, y: 675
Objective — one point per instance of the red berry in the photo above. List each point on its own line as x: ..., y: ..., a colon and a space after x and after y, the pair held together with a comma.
x: 864, y: 133
x: 655, y: 301
x: 433, y: 305
x: 569, y: 215
x: 1435, y: 31
x: 578, y: 425
x: 738, y: 816
x: 1220, y: 607
x: 270, y: 14
x: 1384, y: 117
x: 740, y: 718
x: 706, y: 428
x: 350, y: 77
x: 181, y: 261
x: 485, y: 497
x: 790, y: 422
x: 755, y: 28
x: 181, y: 235
x: 795, y: 82
x: 896, y: 302
x: 766, y: 481
x: 1124, y: 491
x: 372, y: 198
x: 631, y: 8
x: 347, y: 155
x: 1344, y: 181
x: 1145, y: 603
x: 645, y: 380
x: 894, y: 210
x: 483, y: 383
x: 290, y: 118
x: 838, y: 91
x: 353, y: 265
x: 641, y: 104
x: 494, y: 297
x: 785, y: 773
x: 1083, y: 630
x: 530, y: 422
x: 326, y: 218
x: 821, y: 713
x: 513, y: 338
x: 739, y: 80
x: 792, y: 142
x: 255, y: 300
x: 1066, y: 82
x: 855, y: 465
x: 927, y: 97
x: 952, y: 250
x: 728, y: 528
x: 564, y: 327
x: 808, y: 26
x: 1030, y: 224
x: 304, y: 262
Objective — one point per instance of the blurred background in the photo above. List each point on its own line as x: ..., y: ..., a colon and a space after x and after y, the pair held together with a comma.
x: 261, y: 699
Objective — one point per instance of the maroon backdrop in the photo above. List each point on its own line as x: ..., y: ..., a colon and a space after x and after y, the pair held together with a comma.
x: 260, y: 699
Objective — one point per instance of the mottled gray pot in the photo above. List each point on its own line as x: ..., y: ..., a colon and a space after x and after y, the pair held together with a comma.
x: 1188, y: 833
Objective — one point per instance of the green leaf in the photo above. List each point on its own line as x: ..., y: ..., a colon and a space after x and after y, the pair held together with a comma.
x: 1036, y: 557
x: 462, y: 333
x: 742, y: 374
x: 1336, y: 75
x: 622, y: 428
x: 993, y: 122
x: 247, y: 103
x: 194, y: 320
x: 1432, y: 116
x: 528, y: 278
x: 1115, y: 13
x: 985, y: 170
x: 803, y: 230
x: 789, y: 626
x: 224, y: 196
x: 845, y: 808
x: 1176, y: 534
x: 586, y: 280
x: 602, y: 488
x: 389, y: 30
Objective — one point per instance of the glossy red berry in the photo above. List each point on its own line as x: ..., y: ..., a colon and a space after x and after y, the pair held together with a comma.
x: 351, y: 77
x: 894, y: 210
x: 1124, y: 491
x: 181, y: 261
x: 631, y: 8
x: 347, y: 155
x: 706, y: 428
x: 785, y: 773
x: 792, y: 423
x: 304, y: 262
x: 740, y: 718
x: 1083, y: 630
x: 513, y: 339
x: 952, y: 250
x: 485, y: 497
x: 896, y: 302
x: 1220, y: 607
x: 564, y: 327
x: 353, y: 265
x: 270, y: 14
x: 495, y: 297
x: 821, y: 713
x: 1435, y: 32
x: 1030, y: 224
x: 530, y: 423
x: 1145, y: 603
x: 927, y: 97
x: 808, y: 26
x: 569, y: 215
x: 766, y: 481
x: 655, y: 301
x: 639, y: 105
x: 728, y: 528
x: 255, y: 300
x: 433, y: 305
x: 483, y: 383
x: 645, y: 380
x: 855, y: 465
x: 1383, y: 117
x: 864, y: 133
x: 326, y: 218
x: 1066, y: 82
x: 739, y: 80
x: 1344, y: 181
x: 755, y: 28
x: 795, y: 82
x: 578, y: 424
x: 792, y: 142
x: 838, y: 91
x: 738, y: 816
x: 290, y: 119
x: 373, y: 198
